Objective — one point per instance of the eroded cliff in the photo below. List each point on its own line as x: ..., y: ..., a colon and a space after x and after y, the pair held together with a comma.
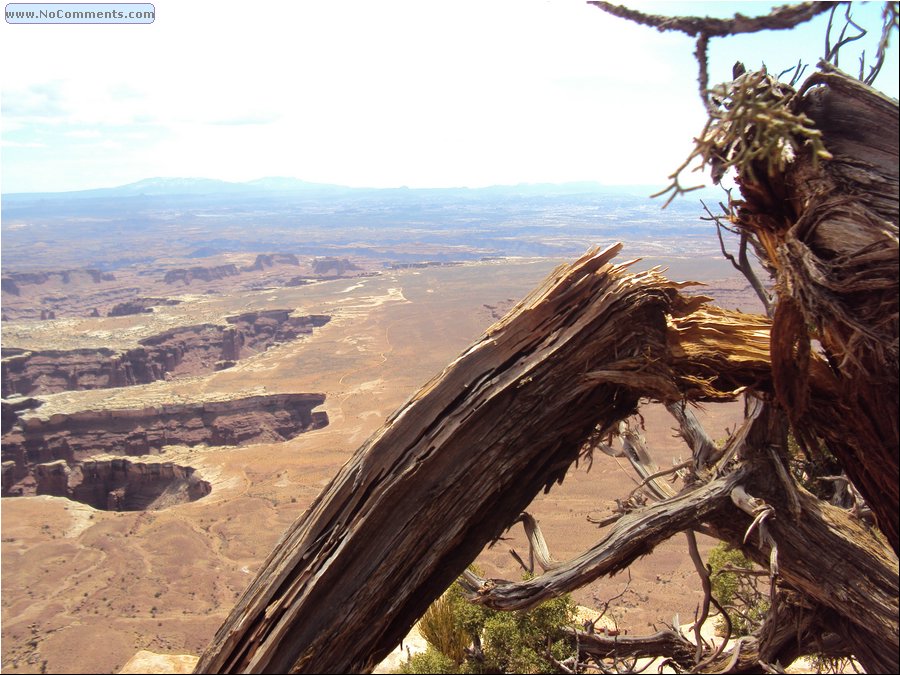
x: 121, y: 484
x: 191, y: 350
x: 74, y: 439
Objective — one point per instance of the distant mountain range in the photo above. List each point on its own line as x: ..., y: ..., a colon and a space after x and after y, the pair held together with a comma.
x: 107, y: 228
x: 173, y: 187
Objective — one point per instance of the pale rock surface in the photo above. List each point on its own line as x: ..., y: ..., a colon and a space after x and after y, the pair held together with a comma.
x: 150, y: 662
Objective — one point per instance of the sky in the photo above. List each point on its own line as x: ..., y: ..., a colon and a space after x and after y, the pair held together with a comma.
x: 375, y: 93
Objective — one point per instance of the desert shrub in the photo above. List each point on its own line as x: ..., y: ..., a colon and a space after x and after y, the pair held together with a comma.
x: 738, y: 593
x: 443, y: 627
x: 518, y: 642
x: 512, y: 642
x: 429, y: 661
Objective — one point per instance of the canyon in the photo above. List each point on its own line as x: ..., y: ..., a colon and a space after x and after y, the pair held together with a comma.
x: 142, y: 287
x: 179, y: 351
x: 120, y: 484
x: 76, y: 437
x: 132, y: 549
x: 182, y: 375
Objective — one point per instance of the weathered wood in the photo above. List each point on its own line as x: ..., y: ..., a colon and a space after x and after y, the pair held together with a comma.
x: 702, y: 446
x: 664, y: 643
x: 834, y: 561
x: 634, y: 535
x: 793, y: 630
x: 456, y: 465
x: 823, y: 552
x: 829, y: 230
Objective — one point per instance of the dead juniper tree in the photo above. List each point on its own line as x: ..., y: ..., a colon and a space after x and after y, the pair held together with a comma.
x: 458, y: 464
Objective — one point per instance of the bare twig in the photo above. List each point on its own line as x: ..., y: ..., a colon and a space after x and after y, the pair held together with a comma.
x: 701, y: 667
x: 700, y: 53
x: 632, y: 536
x: 890, y: 22
x: 734, y: 569
x: 704, y: 28
x: 788, y: 16
x: 638, y: 455
x: 659, y: 474
x: 832, y: 53
x: 742, y: 264
x: 693, y: 433
x: 537, y: 545
x: 703, y: 573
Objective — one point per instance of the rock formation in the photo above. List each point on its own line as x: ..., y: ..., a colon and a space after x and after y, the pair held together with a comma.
x: 120, y: 484
x: 132, y: 289
x: 264, y: 260
x: 180, y: 351
x: 334, y: 266
x: 77, y: 437
x: 13, y: 407
x: 13, y: 281
x: 185, y: 276
x: 139, y: 306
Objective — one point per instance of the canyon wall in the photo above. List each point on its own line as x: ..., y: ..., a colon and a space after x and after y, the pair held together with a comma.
x: 191, y: 350
x: 33, y: 449
x: 120, y: 484
x: 141, y: 431
x: 14, y: 281
x: 139, y: 306
x: 264, y: 260
x: 214, y: 273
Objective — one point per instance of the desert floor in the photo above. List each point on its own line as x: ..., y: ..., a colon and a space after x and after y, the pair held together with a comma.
x: 83, y: 590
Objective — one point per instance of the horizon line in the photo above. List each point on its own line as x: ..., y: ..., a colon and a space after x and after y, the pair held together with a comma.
x: 315, y: 184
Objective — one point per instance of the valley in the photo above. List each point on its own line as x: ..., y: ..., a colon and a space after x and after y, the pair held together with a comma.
x: 146, y: 503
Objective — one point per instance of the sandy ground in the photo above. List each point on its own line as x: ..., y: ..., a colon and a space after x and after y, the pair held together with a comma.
x: 86, y: 590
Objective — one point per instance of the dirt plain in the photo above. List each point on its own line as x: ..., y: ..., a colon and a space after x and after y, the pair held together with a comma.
x: 83, y: 590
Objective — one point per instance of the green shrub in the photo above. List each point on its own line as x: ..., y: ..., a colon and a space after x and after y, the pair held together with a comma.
x: 443, y: 628
x: 739, y: 594
x: 512, y: 642
x: 429, y: 661
x: 517, y: 642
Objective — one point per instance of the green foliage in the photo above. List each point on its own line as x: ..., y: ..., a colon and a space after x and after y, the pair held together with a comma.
x: 429, y: 661
x: 445, y: 628
x: 755, y: 124
x: 517, y: 642
x: 512, y: 642
x: 751, y: 125
x: 739, y: 594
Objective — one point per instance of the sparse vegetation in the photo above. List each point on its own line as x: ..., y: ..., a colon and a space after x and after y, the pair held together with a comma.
x: 735, y: 584
x: 529, y: 641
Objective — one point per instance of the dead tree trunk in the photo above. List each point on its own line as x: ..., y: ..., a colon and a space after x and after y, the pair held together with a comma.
x: 454, y: 467
x: 829, y: 230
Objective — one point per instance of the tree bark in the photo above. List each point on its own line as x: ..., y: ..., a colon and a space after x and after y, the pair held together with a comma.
x: 829, y: 230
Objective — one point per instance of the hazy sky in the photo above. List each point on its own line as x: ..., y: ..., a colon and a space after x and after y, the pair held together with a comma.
x: 373, y: 93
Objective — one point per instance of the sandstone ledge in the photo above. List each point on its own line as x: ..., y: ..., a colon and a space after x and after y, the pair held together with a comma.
x: 81, y: 435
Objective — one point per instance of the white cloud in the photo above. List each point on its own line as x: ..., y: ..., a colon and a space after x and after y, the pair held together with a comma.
x: 357, y: 92
x: 17, y: 144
